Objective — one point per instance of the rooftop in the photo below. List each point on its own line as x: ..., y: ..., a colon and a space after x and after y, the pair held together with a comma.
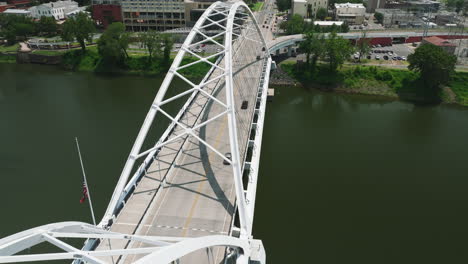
x: 439, y: 42
x: 16, y: 11
x: 60, y: 3
x: 328, y: 23
x: 349, y: 5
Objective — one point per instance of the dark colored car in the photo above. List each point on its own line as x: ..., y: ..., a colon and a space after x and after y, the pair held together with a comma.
x: 244, y: 105
x: 229, y: 157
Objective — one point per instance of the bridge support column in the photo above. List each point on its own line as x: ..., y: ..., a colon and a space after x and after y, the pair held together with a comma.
x: 289, y: 51
x: 277, y: 52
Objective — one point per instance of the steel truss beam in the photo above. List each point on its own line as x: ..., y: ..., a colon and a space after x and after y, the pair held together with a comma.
x: 164, y: 249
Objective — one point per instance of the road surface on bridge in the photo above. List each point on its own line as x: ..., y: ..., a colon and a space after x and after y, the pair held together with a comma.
x: 188, y: 191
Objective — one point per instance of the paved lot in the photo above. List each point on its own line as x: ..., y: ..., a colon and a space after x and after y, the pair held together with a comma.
x: 397, y: 50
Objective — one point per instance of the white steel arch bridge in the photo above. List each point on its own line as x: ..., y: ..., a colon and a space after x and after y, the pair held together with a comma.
x: 192, y: 198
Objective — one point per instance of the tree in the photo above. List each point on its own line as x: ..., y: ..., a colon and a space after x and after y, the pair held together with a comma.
x: 379, y: 17
x: 363, y: 45
x: 168, y: 43
x: 47, y: 25
x: 283, y: 5
x: 294, y: 26
x: 344, y: 28
x: 152, y: 41
x: 313, y: 46
x: 459, y: 5
x: 79, y: 28
x: 322, y: 13
x: 12, y: 26
x: 337, y: 50
x: 113, y: 43
x: 434, y: 64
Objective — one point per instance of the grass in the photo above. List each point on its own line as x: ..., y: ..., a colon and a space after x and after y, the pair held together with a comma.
x: 257, y: 6
x: 49, y: 52
x: 12, y: 48
x: 372, y: 80
x: 7, y: 59
x: 459, y: 85
x: 137, y: 63
x: 360, y: 79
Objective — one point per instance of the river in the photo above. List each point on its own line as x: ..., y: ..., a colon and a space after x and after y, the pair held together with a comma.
x: 343, y: 178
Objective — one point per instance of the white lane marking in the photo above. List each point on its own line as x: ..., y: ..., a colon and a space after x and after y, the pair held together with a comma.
x: 175, y: 227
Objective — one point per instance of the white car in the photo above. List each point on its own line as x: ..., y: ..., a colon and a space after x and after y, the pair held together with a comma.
x: 403, y: 58
x: 377, y: 57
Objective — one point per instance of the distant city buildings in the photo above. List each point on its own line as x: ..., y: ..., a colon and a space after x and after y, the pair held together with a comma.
x: 374, y: 4
x: 308, y: 8
x: 351, y: 13
x: 400, y: 18
x: 414, y: 6
x: 105, y: 12
x: 59, y: 10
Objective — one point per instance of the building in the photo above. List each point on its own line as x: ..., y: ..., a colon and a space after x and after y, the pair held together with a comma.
x: 423, y: 6
x: 374, y: 4
x: 160, y: 15
x: 397, y: 18
x: 106, y: 12
x: 445, y: 44
x: 308, y: 8
x: 443, y: 18
x: 19, y: 3
x: 353, y: 14
x: 299, y: 7
x: 59, y: 10
x: 194, y: 9
x: 4, y: 6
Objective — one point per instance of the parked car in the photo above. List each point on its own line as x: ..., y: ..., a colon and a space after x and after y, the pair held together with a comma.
x: 377, y: 57
x: 403, y: 58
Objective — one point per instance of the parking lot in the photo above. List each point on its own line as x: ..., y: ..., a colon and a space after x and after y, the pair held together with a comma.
x: 394, y: 52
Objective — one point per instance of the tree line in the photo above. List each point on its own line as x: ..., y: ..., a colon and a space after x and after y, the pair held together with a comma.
x: 14, y: 28
x: 114, y: 42
x: 433, y: 65
x: 297, y: 25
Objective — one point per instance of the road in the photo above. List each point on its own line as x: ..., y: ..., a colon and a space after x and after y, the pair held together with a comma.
x: 188, y: 191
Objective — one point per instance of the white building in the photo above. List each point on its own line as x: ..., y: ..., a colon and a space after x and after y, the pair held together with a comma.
x: 59, y: 10
x: 351, y: 13
x: 308, y: 8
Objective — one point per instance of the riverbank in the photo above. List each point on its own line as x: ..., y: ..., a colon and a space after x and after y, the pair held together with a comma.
x: 371, y: 80
x: 91, y: 61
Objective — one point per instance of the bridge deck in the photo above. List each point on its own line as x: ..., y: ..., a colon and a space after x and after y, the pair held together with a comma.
x: 188, y: 191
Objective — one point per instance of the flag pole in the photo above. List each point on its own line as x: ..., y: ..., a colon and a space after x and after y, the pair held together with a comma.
x: 85, y: 181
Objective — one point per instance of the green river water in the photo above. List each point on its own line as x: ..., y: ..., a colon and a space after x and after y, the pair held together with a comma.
x: 343, y: 178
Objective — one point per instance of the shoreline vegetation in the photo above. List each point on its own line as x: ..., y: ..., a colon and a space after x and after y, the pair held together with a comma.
x: 398, y: 84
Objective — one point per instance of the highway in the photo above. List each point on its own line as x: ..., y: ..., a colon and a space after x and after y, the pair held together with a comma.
x: 188, y: 191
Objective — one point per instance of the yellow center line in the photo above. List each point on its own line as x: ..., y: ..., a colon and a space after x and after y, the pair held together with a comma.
x: 200, y: 185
